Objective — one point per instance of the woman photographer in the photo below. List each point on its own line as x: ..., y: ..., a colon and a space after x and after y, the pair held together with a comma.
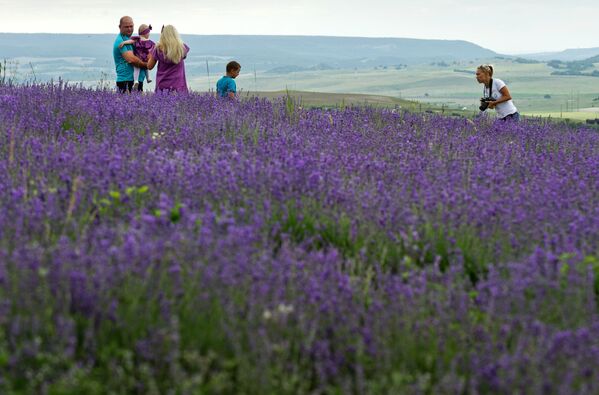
x: 496, y: 95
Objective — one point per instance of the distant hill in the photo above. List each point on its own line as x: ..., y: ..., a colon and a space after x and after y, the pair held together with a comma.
x: 584, y: 67
x: 338, y: 52
x: 263, y: 53
x: 568, y: 55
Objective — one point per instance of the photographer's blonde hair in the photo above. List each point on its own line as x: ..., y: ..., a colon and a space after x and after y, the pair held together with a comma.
x: 486, y: 68
x: 171, y: 44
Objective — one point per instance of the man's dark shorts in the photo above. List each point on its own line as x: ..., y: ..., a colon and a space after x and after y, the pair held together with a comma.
x: 127, y: 86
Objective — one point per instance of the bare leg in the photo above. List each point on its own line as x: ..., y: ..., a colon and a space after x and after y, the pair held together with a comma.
x: 136, y: 71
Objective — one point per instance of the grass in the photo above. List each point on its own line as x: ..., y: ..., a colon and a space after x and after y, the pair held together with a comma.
x: 340, y: 100
x: 322, y: 228
x: 575, y: 116
x: 322, y: 99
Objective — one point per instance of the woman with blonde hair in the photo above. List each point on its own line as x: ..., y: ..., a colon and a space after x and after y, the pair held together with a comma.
x: 496, y: 95
x: 169, y: 53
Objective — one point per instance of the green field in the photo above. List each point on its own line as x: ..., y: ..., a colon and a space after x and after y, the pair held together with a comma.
x: 321, y: 99
x: 339, y: 100
x: 578, y: 116
x: 534, y: 89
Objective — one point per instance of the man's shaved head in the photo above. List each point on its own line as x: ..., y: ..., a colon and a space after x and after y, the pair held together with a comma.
x: 126, y: 26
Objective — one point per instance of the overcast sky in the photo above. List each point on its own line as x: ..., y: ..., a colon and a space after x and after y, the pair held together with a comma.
x: 507, y: 26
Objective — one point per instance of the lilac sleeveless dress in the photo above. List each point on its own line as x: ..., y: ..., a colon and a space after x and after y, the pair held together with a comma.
x: 142, y: 48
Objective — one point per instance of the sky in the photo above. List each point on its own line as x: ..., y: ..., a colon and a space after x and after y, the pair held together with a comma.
x: 507, y: 26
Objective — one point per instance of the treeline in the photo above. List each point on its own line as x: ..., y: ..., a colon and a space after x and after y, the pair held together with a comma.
x: 577, y: 67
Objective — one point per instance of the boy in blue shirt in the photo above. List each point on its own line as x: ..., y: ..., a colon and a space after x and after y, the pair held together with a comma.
x: 226, y: 87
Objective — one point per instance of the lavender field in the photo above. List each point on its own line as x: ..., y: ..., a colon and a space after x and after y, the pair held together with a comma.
x: 161, y: 244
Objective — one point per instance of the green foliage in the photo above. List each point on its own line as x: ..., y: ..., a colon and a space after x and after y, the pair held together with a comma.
x: 321, y: 228
x: 593, y: 262
x: 117, y: 204
x: 175, y: 214
x: 207, y: 361
x: 292, y: 105
x: 77, y: 123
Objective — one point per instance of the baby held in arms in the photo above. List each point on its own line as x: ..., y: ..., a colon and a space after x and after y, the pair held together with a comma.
x: 142, y: 46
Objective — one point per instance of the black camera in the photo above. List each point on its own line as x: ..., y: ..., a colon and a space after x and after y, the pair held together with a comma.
x: 484, y: 103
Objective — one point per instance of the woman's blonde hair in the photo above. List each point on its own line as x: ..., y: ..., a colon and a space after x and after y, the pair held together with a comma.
x: 487, y: 68
x: 171, y: 44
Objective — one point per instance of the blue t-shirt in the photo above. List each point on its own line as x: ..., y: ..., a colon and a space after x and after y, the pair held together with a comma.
x: 225, y: 85
x: 124, y: 71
